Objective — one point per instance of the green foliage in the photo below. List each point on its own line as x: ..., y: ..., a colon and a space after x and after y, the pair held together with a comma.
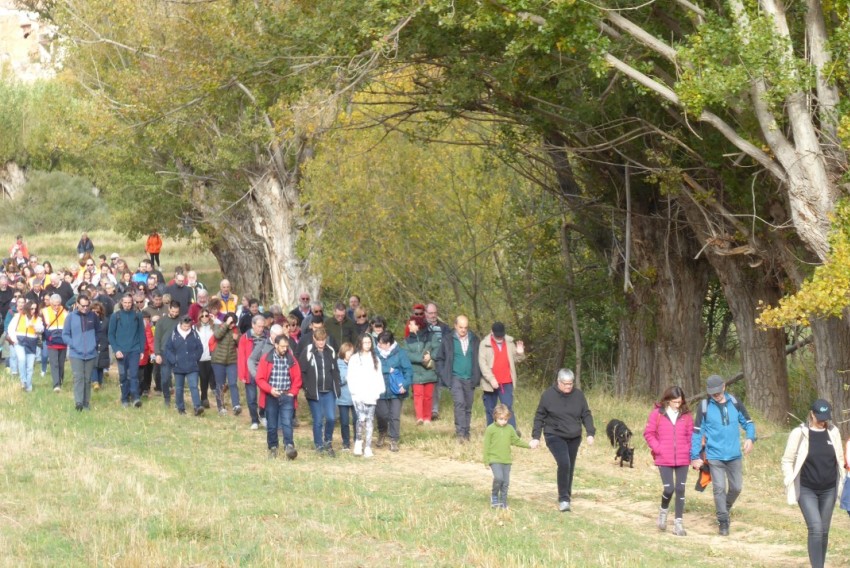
x: 53, y: 202
x: 826, y: 292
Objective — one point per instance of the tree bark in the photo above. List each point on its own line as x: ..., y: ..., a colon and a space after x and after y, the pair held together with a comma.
x: 662, y: 332
x: 832, y: 360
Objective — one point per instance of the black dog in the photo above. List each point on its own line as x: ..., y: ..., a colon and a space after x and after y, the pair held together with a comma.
x: 621, y: 438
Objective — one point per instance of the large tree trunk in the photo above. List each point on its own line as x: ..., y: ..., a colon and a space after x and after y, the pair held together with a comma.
x: 276, y: 216
x: 662, y: 333
x: 832, y: 360
x: 762, y: 351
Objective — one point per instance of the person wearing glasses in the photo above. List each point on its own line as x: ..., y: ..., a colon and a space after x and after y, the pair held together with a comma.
x: 316, y: 309
x: 24, y: 329
x: 204, y: 327
x: 302, y: 310
x: 80, y: 335
x: 361, y: 321
x: 561, y: 413
x: 716, y: 427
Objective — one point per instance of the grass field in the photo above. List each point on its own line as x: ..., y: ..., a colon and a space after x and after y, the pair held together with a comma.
x: 127, y: 487
x: 146, y: 487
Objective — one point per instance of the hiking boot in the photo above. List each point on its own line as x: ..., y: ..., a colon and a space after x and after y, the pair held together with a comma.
x: 222, y: 412
x: 679, y: 528
x: 380, y: 442
x: 237, y: 410
x: 393, y: 446
x: 199, y: 411
x: 329, y: 450
x: 435, y: 416
x: 79, y: 407
x: 662, y: 519
x: 291, y: 452
x: 367, y: 452
x: 137, y: 403
x: 358, y: 448
x: 724, y: 528
x: 205, y: 403
x: 272, y: 453
x: 564, y: 506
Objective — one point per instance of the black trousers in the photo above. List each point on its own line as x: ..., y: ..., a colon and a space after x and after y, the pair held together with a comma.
x: 564, y: 451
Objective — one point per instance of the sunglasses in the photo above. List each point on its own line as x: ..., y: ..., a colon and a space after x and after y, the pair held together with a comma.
x: 204, y: 316
x: 361, y: 317
x: 419, y: 313
x: 138, y: 302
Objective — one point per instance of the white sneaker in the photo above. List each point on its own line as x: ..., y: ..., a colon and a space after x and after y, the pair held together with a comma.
x: 254, y: 426
x: 56, y: 389
x: 263, y: 422
x: 358, y: 448
x: 367, y: 452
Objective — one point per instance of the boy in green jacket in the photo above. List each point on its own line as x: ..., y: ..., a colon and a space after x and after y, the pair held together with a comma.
x: 498, y: 439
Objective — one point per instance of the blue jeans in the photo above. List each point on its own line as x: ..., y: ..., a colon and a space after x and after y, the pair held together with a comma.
x: 817, y: 506
x: 505, y: 395
x: 251, y: 401
x: 324, y: 417
x: 128, y: 376
x: 97, y: 376
x: 26, y: 363
x: 179, y: 382
x: 347, y: 417
x: 222, y: 372
x: 279, y: 413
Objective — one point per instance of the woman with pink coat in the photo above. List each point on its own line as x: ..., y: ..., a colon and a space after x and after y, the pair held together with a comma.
x: 668, y: 433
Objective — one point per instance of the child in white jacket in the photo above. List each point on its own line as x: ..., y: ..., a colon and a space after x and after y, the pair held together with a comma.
x: 366, y: 384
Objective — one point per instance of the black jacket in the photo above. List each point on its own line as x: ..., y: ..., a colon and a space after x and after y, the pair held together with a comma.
x: 310, y: 371
x: 446, y: 354
x: 562, y: 414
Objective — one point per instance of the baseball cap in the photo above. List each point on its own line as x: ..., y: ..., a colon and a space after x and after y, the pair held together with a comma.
x: 114, y: 255
x: 714, y: 384
x: 822, y: 410
x: 498, y: 330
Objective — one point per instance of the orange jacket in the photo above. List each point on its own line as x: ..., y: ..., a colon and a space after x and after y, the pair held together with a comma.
x: 154, y: 244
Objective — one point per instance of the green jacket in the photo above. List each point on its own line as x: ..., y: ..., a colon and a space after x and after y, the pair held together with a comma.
x: 498, y: 441
x: 416, y: 346
x: 225, y: 351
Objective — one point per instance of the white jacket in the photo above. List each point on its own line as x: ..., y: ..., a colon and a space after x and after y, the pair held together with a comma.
x: 365, y: 382
x: 795, y: 455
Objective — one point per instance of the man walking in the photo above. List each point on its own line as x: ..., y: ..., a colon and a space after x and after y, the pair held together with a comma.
x: 80, y: 335
x: 716, y: 426
x: 497, y: 358
x: 127, y: 339
x: 457, y: 367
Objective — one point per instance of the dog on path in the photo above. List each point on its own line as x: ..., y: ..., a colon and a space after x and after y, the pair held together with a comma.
x: 621, y: 438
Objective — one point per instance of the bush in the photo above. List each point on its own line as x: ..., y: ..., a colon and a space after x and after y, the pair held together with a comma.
x: 52, y: 202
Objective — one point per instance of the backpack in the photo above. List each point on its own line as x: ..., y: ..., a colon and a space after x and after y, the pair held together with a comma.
x: 735, y: 402
x: 396, y: 381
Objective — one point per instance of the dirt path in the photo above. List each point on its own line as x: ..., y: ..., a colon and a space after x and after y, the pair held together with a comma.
x: 750, y: 545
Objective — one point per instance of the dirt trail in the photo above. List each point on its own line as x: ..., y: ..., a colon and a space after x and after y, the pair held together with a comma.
x: 749, y: 545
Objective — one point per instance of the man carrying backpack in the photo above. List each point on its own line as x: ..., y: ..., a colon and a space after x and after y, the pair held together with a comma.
x: 716, y: 428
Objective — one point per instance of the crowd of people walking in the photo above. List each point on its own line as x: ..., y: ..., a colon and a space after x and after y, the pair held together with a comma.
x: 166, y: 336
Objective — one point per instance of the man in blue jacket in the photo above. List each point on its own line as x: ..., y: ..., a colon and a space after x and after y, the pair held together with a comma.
x: 127, y: 339
x: 716, y: 425
x: 80, y: 335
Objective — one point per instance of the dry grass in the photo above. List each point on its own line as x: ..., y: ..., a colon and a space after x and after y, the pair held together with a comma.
x: 151, y: 488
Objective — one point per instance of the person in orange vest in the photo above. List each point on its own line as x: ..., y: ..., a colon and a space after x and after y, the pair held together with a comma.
x: 153, y: 246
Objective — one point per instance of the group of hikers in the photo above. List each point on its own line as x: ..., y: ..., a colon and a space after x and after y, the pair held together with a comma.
x: 175, y: 333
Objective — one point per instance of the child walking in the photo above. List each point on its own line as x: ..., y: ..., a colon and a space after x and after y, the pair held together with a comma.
x: 498, y: 439
x: 344, y: 403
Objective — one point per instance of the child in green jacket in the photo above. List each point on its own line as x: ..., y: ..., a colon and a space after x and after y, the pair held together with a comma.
x: 498, y: 439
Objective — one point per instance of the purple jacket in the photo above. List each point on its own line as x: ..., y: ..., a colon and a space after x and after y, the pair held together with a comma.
x: 670, y: 443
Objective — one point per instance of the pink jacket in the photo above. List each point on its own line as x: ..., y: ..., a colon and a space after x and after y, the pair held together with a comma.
x: 670, y: 443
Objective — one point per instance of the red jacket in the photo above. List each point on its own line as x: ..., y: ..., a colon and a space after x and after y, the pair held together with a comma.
x: 148, y: 350
x: 243, y: 352
x: 670, y: 443
x: 264, y: 371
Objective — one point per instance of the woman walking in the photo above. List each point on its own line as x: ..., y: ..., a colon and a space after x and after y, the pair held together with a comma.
x: 560, y: 415
x: 668, y: 433
x: 365, y: 383
x: 813, y: 466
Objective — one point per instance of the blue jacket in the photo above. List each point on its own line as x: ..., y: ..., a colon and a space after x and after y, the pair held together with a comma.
x: 183, y: 354
x: 344, y: 398
x: 127, y: 331
x: 397, y: 359
x: 722, y: 440
x: 80, y: 335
